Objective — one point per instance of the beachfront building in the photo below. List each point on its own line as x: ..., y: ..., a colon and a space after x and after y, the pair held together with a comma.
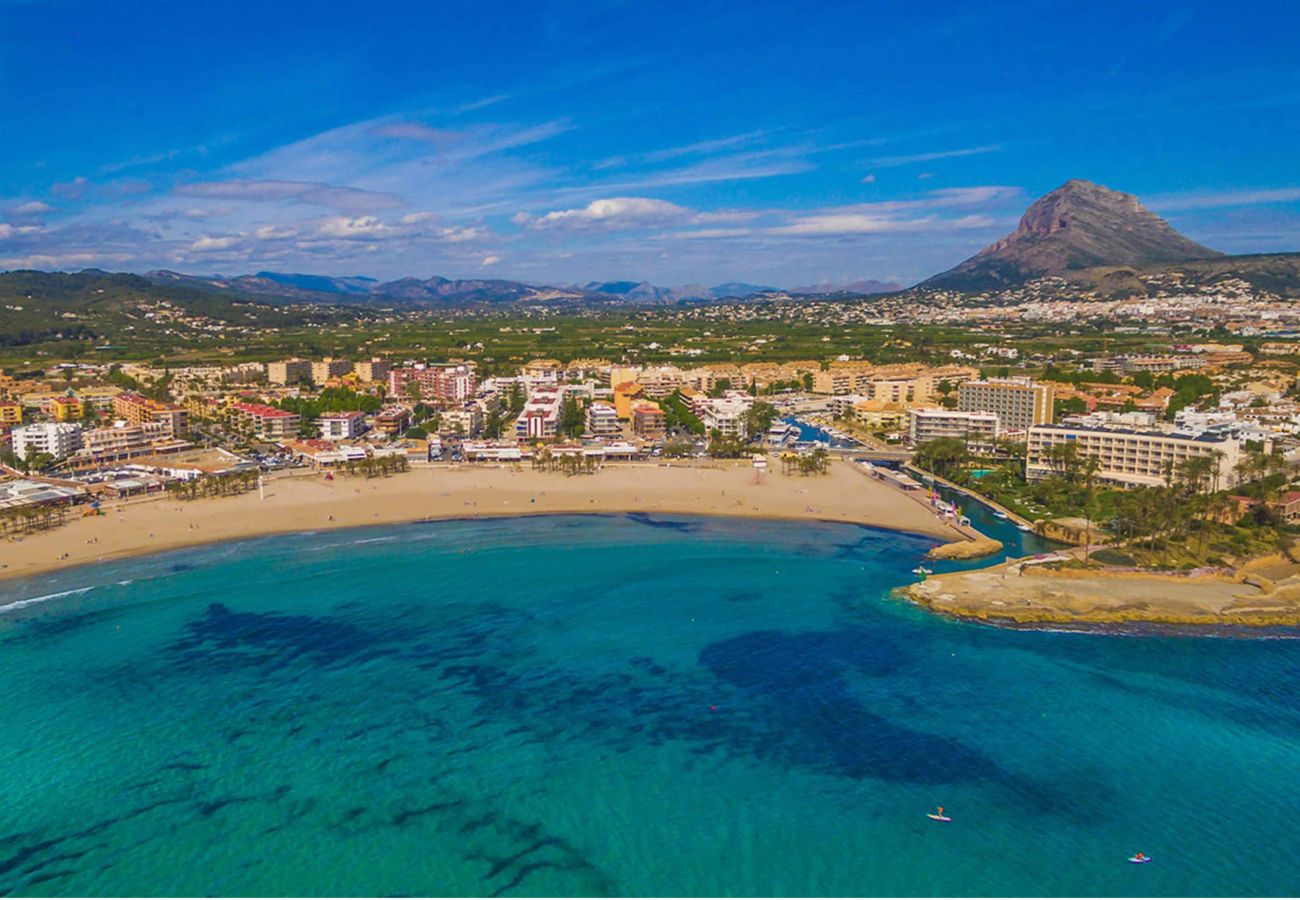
x: 441, y: 384
x: 265, y: 422
x: 540, y: 417
x: 29, y: 492
x: 648, y: 421
x: 466, y: 421
x: 341, y: 426
x: 976, y: 428
x: 494, y: 451
x: 288, y: 371
x: 57, y: 439
x: 602, y: 420
x: 393, y: 420
x: 11, y: 413
x: 726, y: 414
x: 138, y: 410
x: 1018, y: 402
x: 1133, y: 458
x: 124, y: 440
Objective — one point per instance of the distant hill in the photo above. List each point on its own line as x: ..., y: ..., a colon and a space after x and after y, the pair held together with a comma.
x: 1080, y: 225
x: 1278, y: 273
x: 438, y: 291
x: 863, y: 288
x: 36, y: 307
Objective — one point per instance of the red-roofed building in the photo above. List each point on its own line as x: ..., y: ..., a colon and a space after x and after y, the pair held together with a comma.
x: 1288, y: 506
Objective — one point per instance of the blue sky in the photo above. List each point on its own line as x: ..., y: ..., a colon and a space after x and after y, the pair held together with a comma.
x: 696, y: 142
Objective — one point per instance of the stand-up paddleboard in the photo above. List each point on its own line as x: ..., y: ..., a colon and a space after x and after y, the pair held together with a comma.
x: 938, y: 818
x: 1139, y: 860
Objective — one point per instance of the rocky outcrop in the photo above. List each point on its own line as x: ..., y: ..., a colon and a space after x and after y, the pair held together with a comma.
x: 1077, y: 226
x: 976, y: 549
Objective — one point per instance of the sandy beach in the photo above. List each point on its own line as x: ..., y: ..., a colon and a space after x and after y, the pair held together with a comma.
x: 1002, y: 595
x: 311, y: 503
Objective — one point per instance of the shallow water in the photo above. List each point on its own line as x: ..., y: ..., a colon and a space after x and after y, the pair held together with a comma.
x: 636, y: 705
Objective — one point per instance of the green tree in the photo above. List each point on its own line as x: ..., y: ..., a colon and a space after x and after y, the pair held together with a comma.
x: 942, y: 456
x: 759, y: 418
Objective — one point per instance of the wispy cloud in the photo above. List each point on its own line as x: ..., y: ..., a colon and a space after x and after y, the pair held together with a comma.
x: 698, y: 148
x: 922, y: 214
x: 885, y: 162
x: 1222, y: 199
x: 347, y: 199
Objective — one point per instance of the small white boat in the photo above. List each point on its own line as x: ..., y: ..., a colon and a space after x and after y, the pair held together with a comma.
x: 999, y: 514
x: 1139, y: 859
x: 938, y: 818
x: 922, y: 570
x: 1021, y: 526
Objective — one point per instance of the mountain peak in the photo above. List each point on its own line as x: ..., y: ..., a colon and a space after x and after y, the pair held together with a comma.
x: 1076, y: 226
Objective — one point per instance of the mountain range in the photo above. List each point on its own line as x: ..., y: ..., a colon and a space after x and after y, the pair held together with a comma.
x: 1097, y: 238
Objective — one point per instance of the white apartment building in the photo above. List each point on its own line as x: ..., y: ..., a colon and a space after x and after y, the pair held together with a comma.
x: 466, y: 422
x: 602, y: 420
x: 977, y: 428
x: 341, y: 426
x: 726, y: 415
x: 540, y: 417
x: 1133, y: 458
x: 1018, y: 403
x: 58, y: 439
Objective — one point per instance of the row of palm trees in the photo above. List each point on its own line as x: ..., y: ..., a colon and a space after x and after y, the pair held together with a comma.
x: 546, y: 460
x: 29, y: 519
x: 227, y: 484
x: 377, y: 466
x: 817, y: 462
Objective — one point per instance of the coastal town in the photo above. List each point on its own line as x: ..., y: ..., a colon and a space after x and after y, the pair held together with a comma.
x: 1054, y: 447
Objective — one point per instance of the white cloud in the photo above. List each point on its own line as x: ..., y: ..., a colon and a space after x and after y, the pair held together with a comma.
x: 869, y: 178
x: 32, y: 208
x: 490, y: 260
x: 621, y: 213
x: 207, y: 243
x: 457, y: 234
x: 275, y: 232
x: 360, y: 227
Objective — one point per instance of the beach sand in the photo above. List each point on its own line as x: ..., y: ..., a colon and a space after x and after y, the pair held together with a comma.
x: 296, y: 503
x: 1073, y: 596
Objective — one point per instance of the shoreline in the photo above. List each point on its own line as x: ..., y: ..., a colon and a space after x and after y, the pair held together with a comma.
x: 298, y: 504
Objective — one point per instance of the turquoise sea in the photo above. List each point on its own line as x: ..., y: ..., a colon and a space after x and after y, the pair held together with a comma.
x: 616, y: 705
